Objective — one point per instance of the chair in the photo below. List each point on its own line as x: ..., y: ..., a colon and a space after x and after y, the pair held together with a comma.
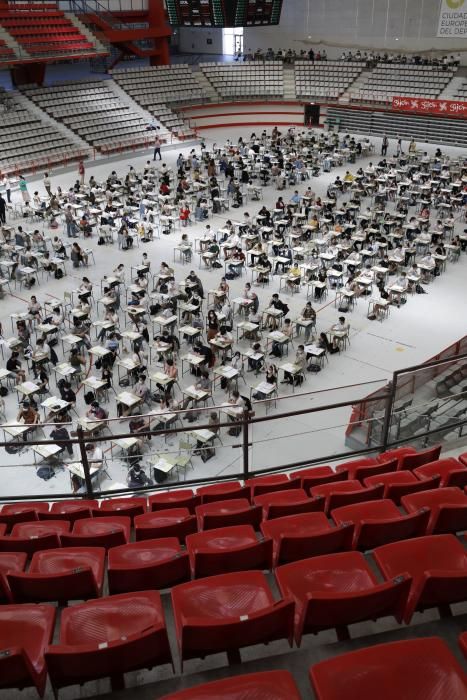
x: 397, y: 453
x: 224, y: 613
x: 448, y: 508
x: 451, y: 471
x: 463, y: 643
x: 336, y: 590
x: 69, y: 510
x: 412, y: 461
x: 33, y: 536
x: 109, y: 637
x: 463, y: 459
x: 129, y: 507
x: 228, y: 549
x: 271, y: 482
x: 139, y: 566
x: 170, y: 522
x: 10, y: 562
x: 315, y: 476
x: 278, y: 504
x: 107, y: 532
x: 234, y: 511
x: 379, y: 522
x: 437, y: 565
x: 342, y: 493
x: 25, y: 632
x: 74, y: 573
x: 414, y: 668
x: 401, y: 483
x: 305, y: 535
x: 12, y: 513
x: 176, y: 498
x: 271, y: 685
x: 223, y: 491
x: 354, y: 464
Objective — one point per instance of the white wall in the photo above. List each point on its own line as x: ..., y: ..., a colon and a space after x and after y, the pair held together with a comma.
x: 195, y: 40
x: 397, y: 25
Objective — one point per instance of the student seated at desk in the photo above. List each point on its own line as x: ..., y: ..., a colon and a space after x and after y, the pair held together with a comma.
x: 203, y: 384
x: 142, y: 390
x: 28, y: 415
x: 75, y: 359
x: 138, y: 477
x: 213, y: 426
x: 403, y: 283
x: 14, y: 365
x: 237, y: 256
x: 60, y: 433
x: 295, y: 275
x: 278, y: 304
x: 287, y: 330
x: 270, y: 378
x: 94, y: 456
x: 255, y: 365
x: 308, y: 314
x: 82, y: 331
x: 96, y: 412
x: 324, y: 343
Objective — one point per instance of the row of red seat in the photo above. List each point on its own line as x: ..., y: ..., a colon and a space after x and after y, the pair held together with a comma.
x: 223, y: 613
x: 416, y: 668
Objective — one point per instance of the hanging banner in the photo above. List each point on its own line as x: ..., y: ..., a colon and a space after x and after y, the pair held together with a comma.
x: 452, y: 19
x: 452, y: 108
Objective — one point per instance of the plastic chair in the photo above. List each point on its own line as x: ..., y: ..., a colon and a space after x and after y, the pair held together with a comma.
x: 412, y: 461
x: 177, y: 498
x: 234, y: 511
x: 270, y: 685
x: 401, y: 483
x: 171, y: 522
x: 10, y: 562
x: 290, y: 502
x: 463, y: 643
x: 3, y: 529
x: 379, y: 522
x: 25, y: 632
x: 69, y: 510
x: 315, y: 476
x: 354, y: 464
x: 437, y: 565
x: 129, y: 507
x: 107, y: 532
x: 228, y: 549
x: 397, y: 453
x: 448, y: 509
x: 109, y: 637
x: 414, y: 668
x: 60, y: 575
x: 342, y: 493
x: 224, y: 613
x: 305, y: 535
x: 13, y: 513
x: 271, y: 482
x: 30, y: 537
x: 223, y: 491
x: 139, y: 566
x: 337, y: 590
x: 451, y: 471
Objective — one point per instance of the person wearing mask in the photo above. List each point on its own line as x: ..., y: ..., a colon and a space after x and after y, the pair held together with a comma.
x: 27, y: 415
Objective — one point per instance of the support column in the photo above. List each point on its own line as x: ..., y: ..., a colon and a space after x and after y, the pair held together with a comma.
x: 157, y: 18
x: 27, y: 73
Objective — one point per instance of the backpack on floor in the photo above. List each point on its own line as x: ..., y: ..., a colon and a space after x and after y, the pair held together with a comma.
x: 45, y: 473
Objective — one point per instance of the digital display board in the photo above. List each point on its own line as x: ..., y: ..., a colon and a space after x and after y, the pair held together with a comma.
x: 224, y: 13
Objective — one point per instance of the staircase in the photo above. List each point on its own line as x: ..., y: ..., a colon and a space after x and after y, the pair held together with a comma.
x: 208, y: 90
x: 28, y: 104
x: 452, y: 88
x: 13, y: 44
x: 125, y: 98
x: 357, y: 85
x: 289, y: 83
x: 85, y: 31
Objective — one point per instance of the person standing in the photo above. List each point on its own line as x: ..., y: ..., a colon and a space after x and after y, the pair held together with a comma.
x: 7, y: 184
x: 157, y: 148
x: 23, y: 188
x: 384, y: 145
x: 81, y: 171
x: 47, y: 184
x: 2, y: 210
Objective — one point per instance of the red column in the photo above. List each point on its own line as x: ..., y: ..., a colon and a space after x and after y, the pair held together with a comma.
x: 157, y: 18
x: 25, y: 73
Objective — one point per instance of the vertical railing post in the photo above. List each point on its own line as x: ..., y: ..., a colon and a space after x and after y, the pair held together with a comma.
x: 388, y: 411
x: 245, y: 422
x: 84, y: 461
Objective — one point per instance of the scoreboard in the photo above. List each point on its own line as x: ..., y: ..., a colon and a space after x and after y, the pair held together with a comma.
x: 224, y: 13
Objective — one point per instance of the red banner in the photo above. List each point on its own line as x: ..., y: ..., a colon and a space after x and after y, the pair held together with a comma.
x: 452, y: 108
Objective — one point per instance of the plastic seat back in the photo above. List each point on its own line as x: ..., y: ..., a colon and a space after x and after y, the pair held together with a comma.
x: 223, y: 492
x: 412, y: 461
x: 362, y: 472
x: 179, y: 498
x: 449, y: 518
x: 173, y: 522
x: 109, y: 531
x: 397, y: 491
x: 240, y: 513
x: 29, y: 545
x: 254, y: 556
x: 337, y: 499
x: 336, y: 539
x: 129, y: 507
x: 264, y: 485
x: 373, y: 533
x: 10, y: 562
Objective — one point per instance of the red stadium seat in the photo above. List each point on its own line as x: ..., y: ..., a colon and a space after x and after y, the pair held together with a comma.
x: 129, y: 507
x: 268, y: 685
x: 414, y: 668
x: 452, y: 472
x: 33, y: 536
x: 235, y: 511
x: 223, y: 491
x: 172, y: 522
x: 412, y: 461
x: 3, y: 529
x: 437, y: 565
x: 342, y: 493
x: 224, y: 613
x: 290, y: 502
x: 337, y: 590
x: 76, y: 573
x: 448, y: 509
x: 69, y: 510
x: 379, y: 522
x: 398, y: 484
x: 10, y: 562
x: 107, y: 532
x: 12, y: 513
x: 271, y: 482
x: 178, y: 498
x: 306, y: 535
x: 140, y: 566
x: 360, y: 471
x: 463, y: 643
x: 354, y: 464
x: 315, y: 476
x: 25, y: 632
x: 109, y: 637
x: 463, y: 459
x: 397, y: 453
x: 228, y: 549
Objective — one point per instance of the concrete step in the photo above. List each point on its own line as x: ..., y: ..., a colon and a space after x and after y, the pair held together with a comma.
x: 12, y: 43
x: 207, y: 88
x: 100, y: 47
x: 451, y: 89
